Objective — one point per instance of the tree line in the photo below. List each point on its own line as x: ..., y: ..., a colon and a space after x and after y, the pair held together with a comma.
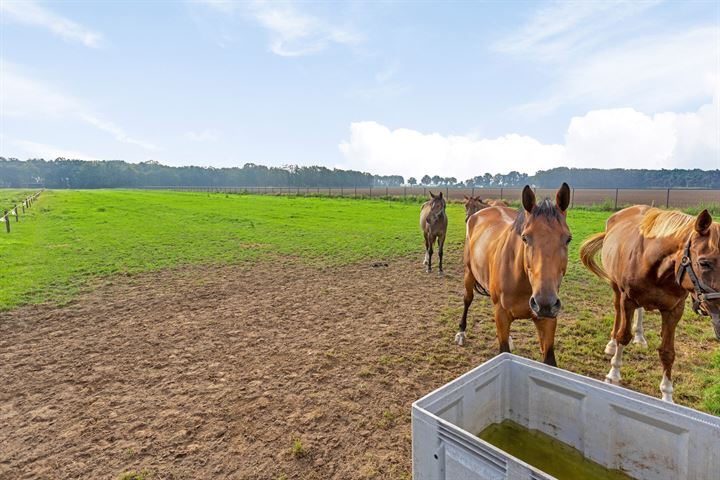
x: 64, y: 173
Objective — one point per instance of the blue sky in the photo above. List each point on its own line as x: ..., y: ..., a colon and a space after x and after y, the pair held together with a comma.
x: 406, y: 87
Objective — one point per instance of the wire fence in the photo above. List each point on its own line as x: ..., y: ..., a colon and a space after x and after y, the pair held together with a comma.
x: 16, y: 209
x: 607, y: 197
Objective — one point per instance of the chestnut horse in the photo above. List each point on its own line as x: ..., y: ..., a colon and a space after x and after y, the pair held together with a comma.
x: 518, y: 259
x: 653, y: 259
x: 472, y: 205
x: 433, y: 223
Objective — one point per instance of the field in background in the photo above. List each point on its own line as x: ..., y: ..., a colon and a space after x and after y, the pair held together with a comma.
x: 102, y: 241
x: 599, y: 198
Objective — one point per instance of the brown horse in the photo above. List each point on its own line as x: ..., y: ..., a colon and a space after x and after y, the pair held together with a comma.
x: 433, y: 223
x: 518, y: 259
x: 653, y: 259
x: 495, y: 203
x: 472, y: 205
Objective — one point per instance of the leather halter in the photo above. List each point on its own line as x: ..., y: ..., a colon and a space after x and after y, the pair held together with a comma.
x: 703, y: 293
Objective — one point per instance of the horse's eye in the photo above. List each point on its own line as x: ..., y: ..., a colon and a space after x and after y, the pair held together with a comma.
x: 524, y: 238
x: 705, y: 264
x: 568, y: 240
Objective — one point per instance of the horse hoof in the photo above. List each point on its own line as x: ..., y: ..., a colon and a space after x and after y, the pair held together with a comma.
x: 667, y: 398
x: 441, y: 273
x: 612, y: 378
x: 640, y: 341
x: 460, y: 338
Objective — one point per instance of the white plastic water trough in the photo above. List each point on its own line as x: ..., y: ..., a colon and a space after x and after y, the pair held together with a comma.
x: 613, y: 426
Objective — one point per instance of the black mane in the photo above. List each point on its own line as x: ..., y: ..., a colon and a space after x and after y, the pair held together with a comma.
x: 545, y: 209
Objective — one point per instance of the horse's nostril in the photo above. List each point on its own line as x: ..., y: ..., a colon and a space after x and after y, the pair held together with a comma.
x: 533, y: 305
x: 557, y: 305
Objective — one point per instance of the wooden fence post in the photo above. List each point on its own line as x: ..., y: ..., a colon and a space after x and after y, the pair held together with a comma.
x: 616, y: 197
x: 17, y: 218
x: 667, y: 199
x: 572, y: 198
x: 447, y: 193
x: 7, y: 221
x: 501, y: 193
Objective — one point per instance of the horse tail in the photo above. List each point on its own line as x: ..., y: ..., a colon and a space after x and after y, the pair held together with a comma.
x: 588, y: 251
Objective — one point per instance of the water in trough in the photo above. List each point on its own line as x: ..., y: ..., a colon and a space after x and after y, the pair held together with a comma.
x: 546, y: 453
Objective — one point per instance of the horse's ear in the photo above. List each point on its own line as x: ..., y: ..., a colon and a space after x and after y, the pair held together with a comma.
x: 479, y: 200
x: 432, y: 195
x: 562, y: 198
x: 528, y: 199
x: 466, y: 198
x: 703, y: 222
x: 440, y: 195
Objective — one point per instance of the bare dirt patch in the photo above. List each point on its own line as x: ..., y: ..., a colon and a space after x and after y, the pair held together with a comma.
x: 272, y: 370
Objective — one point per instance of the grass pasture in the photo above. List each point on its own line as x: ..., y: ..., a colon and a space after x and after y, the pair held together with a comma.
x: 74, y: 245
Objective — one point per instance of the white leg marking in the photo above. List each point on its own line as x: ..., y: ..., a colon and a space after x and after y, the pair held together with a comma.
x: 613, y: 375
x: 510, y: 343
x: 611, y: 347
x: 427, y: 259
x: 639, y: 331
x: 460, y: 338
x: 666, y: 388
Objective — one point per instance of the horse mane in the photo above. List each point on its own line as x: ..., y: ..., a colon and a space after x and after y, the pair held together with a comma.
x: 659, y: 223
x: 545, y: 209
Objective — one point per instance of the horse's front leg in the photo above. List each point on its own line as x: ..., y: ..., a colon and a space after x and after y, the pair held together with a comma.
x: 429, y: 253
x: 546, y: 334
x: 666, y: 351
x: 502, y: 325
x: 441, y: 242
x: 639, y: 330
x: 622, y: 337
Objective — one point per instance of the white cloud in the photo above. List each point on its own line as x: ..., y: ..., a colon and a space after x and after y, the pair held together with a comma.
x: 40, y: 150
x: 292, y: 33
x: 376, y: 148
x: 28, y: 12
x: 203, y: 136
x: 610, y: 138
x: 562, y: 28
x: 21, y: 96
x: 607, y: 54
x: 652, y: 74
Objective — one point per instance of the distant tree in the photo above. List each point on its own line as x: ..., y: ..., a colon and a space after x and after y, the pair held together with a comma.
x: 412, y: 181
x: 450, y: 180
x: 436, y: 180
x: 426, y: 180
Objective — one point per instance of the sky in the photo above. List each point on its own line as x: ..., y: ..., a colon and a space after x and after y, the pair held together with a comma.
x: 410, y: 88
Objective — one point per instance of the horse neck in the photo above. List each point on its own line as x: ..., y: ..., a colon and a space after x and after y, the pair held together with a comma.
x: 510, y: 250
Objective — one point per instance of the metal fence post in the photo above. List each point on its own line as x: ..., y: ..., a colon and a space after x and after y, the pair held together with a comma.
x: 501, y: 193
x: 616, y: 197
x: 572, y: 198
x: 667, y: 199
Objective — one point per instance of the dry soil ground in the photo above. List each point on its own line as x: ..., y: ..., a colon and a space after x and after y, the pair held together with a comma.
x: 266, y: 370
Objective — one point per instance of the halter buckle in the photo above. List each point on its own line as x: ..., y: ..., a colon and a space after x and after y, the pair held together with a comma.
x: 685, y: 261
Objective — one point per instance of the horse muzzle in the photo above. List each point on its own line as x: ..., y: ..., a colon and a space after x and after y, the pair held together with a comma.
x: 547, y: 306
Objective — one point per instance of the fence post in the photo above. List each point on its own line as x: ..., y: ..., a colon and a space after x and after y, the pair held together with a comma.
x: 501, y: 192
x: 572, y: 198
x: 342, y: 192
x: 667, y: 199
x: 370, y: 191
x: 447, y: 192
x: 616, y: 196
x: 424, y: 192
x: 404, y: 192
x: 355, y: 194
x: 23, y: 205
x: 387, y: 192
x: 16, y: 213
x: 7, y: 221
x: 472, y: 194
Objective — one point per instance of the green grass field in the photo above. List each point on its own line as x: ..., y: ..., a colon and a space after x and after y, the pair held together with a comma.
x: 70, y: 238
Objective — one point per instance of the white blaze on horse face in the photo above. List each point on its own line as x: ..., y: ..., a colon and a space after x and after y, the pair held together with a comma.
x: 666, y: 388
x: 613, y: 375
x: 639, y: 331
